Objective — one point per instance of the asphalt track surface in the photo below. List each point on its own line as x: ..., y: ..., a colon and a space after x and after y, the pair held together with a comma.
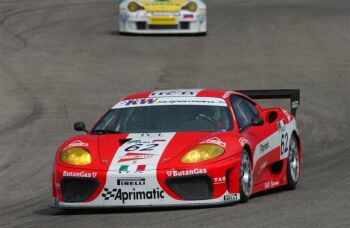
x: 62, y: 61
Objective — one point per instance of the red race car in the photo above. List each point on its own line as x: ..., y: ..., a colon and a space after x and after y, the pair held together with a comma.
x: 180, y: 147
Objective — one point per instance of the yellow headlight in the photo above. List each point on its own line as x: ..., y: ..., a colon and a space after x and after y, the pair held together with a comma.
x: 202, y: 153
x: 76, y: 156
x: 192, y: 6
x: 133, y: 7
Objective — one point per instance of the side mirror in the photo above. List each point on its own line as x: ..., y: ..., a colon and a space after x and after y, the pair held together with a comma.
x: 80, y: 126
x: 257, y: 121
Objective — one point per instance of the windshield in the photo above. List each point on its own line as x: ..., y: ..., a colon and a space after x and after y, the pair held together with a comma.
x: 165, y: 118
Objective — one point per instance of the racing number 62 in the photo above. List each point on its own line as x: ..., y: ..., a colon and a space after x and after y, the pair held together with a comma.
x: 284, y: 144
x: 141, y: 147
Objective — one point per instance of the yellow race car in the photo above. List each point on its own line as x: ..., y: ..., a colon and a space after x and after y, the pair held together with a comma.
x: 163, y: 16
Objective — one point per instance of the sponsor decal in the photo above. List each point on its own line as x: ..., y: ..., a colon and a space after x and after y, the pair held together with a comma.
x: 76, y: 143
x: 188, y: 16
x: 274, y: 183
x: 281, y: 125
x: 243, y: 141
x: 137, y: 141
x: 264, y: 147
x: 186, y: 100
x: 124, y: 168
x: 215, y: 140
x: 140, y: 101
x: 231, y: 197
x: 131, y: 181
x: 151, y: 135
x: 180, y: 173
x: 219, y: 180
x: 133, y: 141
x: 140, y: 168
x: 267, y: 185
x: 128, y: 169
x: 79, y: 174
x: 176, y: 93
x: 271, y: 184
x: 193, y: 101
x: 135, y: 157
x: 119, y: 194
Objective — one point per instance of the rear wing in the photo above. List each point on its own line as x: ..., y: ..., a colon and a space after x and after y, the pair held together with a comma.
x: 292, y: 94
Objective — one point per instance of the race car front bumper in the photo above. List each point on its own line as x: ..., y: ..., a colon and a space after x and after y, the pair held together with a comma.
x: 167, y: 23
x: 76, y: 188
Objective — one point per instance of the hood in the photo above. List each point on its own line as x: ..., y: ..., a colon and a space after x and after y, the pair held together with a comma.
x: 138, y: 152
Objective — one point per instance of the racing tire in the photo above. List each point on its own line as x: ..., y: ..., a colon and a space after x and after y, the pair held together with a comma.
x: 246, y: 177
x: 293, y: 164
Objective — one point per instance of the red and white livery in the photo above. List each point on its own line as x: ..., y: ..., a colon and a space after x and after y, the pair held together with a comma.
x: 180, y: 147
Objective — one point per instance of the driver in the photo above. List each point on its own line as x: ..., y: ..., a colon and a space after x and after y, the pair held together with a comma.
x: 211, y: 114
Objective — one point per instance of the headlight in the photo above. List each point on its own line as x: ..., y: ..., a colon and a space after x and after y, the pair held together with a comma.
x: 202, y: 153
x: 76, y: 156
x: 133, y: 7
x: 192, y: 6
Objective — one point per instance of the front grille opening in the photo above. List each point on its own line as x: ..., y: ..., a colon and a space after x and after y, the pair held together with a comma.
x: 78, y: 189
x: 191, y: 187
x: 160, y: 27
x: 185, y: 25
x: 141, y: 25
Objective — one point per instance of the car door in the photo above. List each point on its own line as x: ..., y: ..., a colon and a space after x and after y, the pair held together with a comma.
x: 246, y: 112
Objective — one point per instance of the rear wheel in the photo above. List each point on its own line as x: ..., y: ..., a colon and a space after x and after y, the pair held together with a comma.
x: 293, y: 164
x: 246, y: 179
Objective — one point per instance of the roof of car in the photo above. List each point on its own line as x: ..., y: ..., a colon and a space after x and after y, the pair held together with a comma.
x: 181, y: 93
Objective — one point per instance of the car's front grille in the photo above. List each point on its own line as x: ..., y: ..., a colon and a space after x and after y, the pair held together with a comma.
x: 191, y: 187
x: 141, y: 25
x: 160, y: 27
x: 78, y: 189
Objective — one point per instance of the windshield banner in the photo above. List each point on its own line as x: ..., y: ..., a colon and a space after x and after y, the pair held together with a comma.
x: 211, y: 101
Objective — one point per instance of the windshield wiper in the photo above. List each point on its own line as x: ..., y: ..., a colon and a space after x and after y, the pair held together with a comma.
x: 106, y: 131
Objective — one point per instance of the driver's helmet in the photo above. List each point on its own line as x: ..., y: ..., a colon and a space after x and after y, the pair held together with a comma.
x: 210, y: 112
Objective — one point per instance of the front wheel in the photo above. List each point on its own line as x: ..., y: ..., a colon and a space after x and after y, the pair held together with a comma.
x: 293, y: 164
x: 246, y: 179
